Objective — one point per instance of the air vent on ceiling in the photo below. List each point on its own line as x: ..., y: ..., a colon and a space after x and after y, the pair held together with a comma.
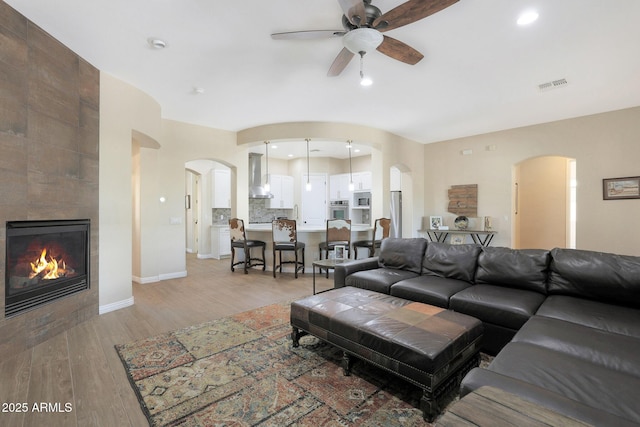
x: 555, y: 84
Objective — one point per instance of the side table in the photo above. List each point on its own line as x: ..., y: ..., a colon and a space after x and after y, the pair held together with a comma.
x: 328, y: 264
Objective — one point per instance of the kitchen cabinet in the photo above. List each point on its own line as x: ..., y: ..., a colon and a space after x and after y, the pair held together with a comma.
x: 339, y: 187
x: 221, y: 186
x: 362, y: 181
x: 282, y: 190
x: 220, y: 241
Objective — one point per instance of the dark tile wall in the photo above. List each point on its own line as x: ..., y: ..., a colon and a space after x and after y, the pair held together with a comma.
x: 49, y: 153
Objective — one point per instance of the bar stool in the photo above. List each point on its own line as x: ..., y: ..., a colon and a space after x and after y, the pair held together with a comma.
x: 239, y: 241
x: 285, y: 238
x: 381, y: 229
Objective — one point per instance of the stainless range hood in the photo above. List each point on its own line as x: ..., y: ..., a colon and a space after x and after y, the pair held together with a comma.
x: 256, y: 191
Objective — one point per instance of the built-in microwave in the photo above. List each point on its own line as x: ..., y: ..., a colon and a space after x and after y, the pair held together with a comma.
x: 363, y: 201
x: 339, y: 209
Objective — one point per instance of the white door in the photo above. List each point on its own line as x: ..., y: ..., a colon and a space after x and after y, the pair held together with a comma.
x: 314, y: 202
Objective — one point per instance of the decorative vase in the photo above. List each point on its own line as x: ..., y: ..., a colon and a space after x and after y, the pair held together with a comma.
x: 461, y: 222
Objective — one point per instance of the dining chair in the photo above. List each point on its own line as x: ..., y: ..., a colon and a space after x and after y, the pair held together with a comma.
x: 381, y: 229
x: 285, y: 239
x: 239, y: 241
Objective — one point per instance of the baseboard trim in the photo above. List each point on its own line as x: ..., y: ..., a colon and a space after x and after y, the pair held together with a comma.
x: 115, y: 306
x: 176, y: 275
x: 145, y: 280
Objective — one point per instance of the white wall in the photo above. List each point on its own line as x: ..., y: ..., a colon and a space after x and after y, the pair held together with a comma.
x: 604, y: 146
x: 123, y: 109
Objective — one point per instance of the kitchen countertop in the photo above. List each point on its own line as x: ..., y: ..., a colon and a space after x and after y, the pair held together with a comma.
x: 306, y: 229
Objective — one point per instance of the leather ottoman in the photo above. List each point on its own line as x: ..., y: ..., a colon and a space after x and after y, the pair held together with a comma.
x: 428, y: 346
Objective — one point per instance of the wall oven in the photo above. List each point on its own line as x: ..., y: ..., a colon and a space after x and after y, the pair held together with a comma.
x: 339, y: 209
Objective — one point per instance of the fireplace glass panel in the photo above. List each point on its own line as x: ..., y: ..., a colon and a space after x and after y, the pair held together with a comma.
x: 45, y: 260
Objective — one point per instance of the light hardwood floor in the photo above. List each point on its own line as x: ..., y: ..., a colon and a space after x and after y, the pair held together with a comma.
x: 80, y: 368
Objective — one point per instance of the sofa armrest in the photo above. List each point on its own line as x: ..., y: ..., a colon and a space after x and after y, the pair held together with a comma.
x: 349, y: 267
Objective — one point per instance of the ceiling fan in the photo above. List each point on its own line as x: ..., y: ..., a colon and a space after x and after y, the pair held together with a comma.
x: 364, y: 24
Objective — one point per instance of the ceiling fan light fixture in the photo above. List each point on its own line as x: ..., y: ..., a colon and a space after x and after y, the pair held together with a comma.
x: 362, y: 40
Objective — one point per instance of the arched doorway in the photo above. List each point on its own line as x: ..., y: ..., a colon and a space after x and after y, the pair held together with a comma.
x: 208, y: 201
x: 544, y: 203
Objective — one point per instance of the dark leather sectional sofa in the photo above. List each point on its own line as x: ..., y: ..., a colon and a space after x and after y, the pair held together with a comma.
x: 564, y: 324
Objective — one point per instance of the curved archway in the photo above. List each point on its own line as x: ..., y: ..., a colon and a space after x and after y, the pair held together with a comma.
x: 544, y: 203
x: 209, y: 201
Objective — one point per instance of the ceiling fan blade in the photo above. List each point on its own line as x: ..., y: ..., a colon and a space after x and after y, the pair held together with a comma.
x: 340, y: 63
x: 402, y: 52
x: 354, y: 11
x: 411, y: 11
x: 308, y: 35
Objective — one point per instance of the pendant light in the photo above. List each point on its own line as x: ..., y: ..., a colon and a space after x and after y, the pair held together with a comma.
x: 267, y: 186
x: 351, y: 185
x: 308, y: 186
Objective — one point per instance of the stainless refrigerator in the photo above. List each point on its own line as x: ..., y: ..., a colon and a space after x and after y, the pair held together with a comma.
x: 395, y: 209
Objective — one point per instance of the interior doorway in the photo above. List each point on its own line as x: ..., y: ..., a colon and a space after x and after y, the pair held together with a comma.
x: 545, y: 203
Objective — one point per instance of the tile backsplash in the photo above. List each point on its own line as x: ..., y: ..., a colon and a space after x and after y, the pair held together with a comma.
x: 259, y: 212
x: 220, y: 215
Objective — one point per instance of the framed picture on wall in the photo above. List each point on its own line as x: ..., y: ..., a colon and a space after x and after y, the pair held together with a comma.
x: 621, y: 188
x: 435, y: 222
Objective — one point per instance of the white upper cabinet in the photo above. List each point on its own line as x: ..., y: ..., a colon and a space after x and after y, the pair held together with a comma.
x: 362, y: 181
x: 221, y: 186
x: 339, y: 187
x: 282, y: 190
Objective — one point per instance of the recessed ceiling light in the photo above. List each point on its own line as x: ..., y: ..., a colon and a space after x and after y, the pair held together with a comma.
x: 527, y: 17
x: 289, y: 155
x: 157, y: 43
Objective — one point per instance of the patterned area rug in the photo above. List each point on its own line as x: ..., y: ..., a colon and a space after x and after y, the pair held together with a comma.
x: 243, y: 371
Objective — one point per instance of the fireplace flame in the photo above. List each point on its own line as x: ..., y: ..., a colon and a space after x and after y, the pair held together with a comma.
x: 48, y: 269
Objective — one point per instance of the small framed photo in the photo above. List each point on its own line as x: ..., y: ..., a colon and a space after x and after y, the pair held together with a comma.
x: 457, y: 239
x: 435, y: 222
x: 339, y: 252
x: 621, y: 188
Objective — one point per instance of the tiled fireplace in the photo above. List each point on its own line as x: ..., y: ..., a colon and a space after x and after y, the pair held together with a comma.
x: 49, y: 169
x: 45, y: 261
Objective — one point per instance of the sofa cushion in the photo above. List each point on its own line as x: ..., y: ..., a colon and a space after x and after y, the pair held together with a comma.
x: 575, y: 378
x: 378, y: 279
x: 611, y: 318
x: 429, y: 289
x: 479, y: 377
x: 613, y: 351
x: 496, y: 304
x: 595, y: 275
x: 514, y: 268
x: 402, y: 254
x: 451, y: 261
